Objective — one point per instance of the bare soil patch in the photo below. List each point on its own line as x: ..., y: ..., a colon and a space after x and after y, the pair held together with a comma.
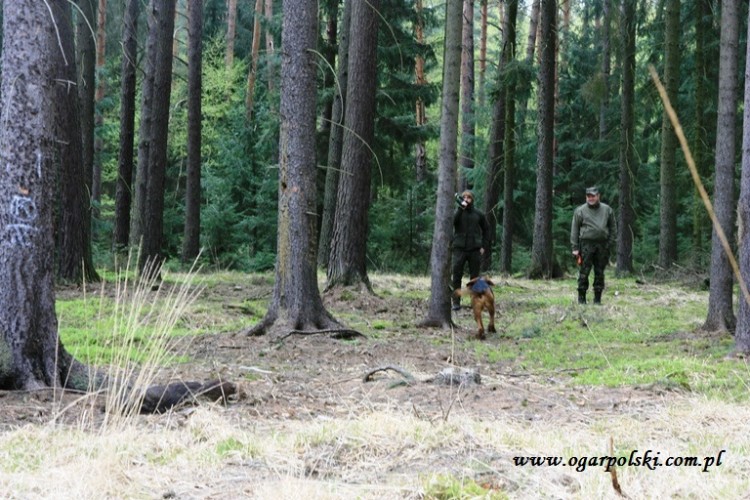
x: 306, y: 381
x: 313, y: 376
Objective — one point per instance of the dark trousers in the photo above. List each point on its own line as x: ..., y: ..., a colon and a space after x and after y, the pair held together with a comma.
x: 595, y: 255
x: 460, y: 258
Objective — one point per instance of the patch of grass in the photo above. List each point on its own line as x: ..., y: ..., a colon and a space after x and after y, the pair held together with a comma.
x: 444, y: 487
x: 233, y: 446
x: 92, y: 329
x: 382, y: 325
x: 643, y: 335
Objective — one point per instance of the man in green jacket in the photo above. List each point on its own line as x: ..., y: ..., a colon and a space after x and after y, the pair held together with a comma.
x: 470, y: 238
x: 592, y: 235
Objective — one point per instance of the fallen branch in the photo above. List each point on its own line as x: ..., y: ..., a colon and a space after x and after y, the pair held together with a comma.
x: 161, y: 398
x: 408, y: 376
x: 448, y: 376
x: 340, y: 333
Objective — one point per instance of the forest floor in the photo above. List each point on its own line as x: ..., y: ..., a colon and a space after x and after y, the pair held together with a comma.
x: 630, y: 379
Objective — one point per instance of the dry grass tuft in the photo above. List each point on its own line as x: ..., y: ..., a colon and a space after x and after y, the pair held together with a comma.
x: 146, y: 312
x: 212, y: 453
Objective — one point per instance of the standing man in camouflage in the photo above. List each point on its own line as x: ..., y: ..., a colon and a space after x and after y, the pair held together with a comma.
x: 470, y: 239
x: 592, y: 235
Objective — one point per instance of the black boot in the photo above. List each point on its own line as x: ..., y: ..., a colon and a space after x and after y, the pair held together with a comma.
x: 581, y: 296
x: 597, y: 297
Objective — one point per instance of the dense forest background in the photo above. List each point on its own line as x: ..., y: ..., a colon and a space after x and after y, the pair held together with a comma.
x: 239, y: 147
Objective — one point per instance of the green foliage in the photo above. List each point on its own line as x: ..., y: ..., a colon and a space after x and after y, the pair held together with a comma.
x: 401, y: 230
x: 239, y: 197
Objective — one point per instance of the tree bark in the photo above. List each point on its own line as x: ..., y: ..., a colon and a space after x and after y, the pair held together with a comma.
x: 101, y: 43
x: 701, y: 126
x: 606, y: 69
x: 668, y: 197
x: 335, y: 141
x: 498, y: 178
x: 31, y: 355
x: 720, y: 316
x: 509, y: 143
x: 124, y: 185
x: 270, y: 48
x: 86, y: 62
x: 191, y: 240
x: 347, y: 264
x: 74, y: 261
x: 138, y: 218
x: 542, y: 257
x: 296, y: 302
x: 231, y: 30
x: 151, y: 252
x: 254, y: 53
x: 439, y: 314
x: 466, y: 157
x: 627, y: 137
x: 742, y: 333
x: 420, y: 152
x: 482, y: 50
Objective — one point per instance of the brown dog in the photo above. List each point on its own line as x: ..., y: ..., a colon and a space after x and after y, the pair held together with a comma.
x: 481, y: 298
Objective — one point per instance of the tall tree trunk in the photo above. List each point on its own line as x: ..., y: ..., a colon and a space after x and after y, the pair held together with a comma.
x: 138, y: 218
x: 482, y: 50
x: 254, y: 54
x: 191, y: 241
x: 86, y: 62
x: 606, y: 70
x: 296, y: 302
x: 523, y: 92
x: 335, y: 141
x: 668, y: 198
x: 439, y: 314
x: 331, y: 13
x: 720, y: 315
x: 270, y: 48
x: 231, y: 30
x: 33, y: 356
x: 542, y: 257
x: 466, y: 157
x: 742, y: 334
x: 124, y: 186
x: 627, y: 137
x: 101, y: 43
x: 509, y: 148
x: 180, y: 27
x: 700, y: 127
x: 525, y: 88
x: 420, y: 152
x: 347, y: 264
x: 151, y: 253
x: 74, y: 260
x: 496, y: 155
